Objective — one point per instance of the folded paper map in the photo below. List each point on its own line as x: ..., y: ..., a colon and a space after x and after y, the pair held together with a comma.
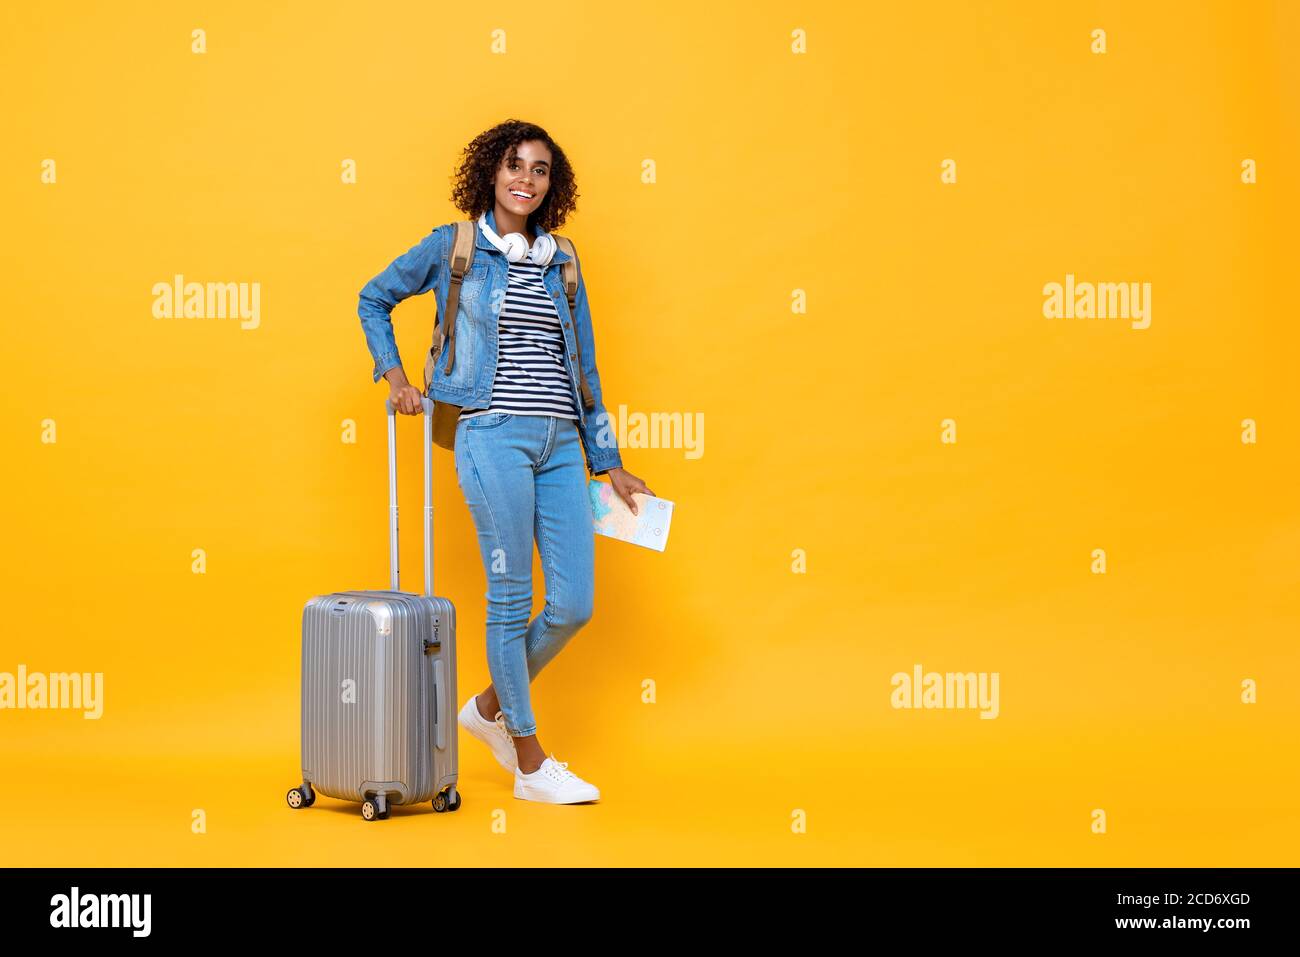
x: 611, y: 516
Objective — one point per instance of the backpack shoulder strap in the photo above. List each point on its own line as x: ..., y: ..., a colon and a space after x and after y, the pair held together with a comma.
x: 462, y: 251
x: 569, y: 272
x: 444, y: 331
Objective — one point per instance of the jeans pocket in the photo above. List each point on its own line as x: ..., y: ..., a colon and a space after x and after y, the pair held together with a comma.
x: 488, y: 420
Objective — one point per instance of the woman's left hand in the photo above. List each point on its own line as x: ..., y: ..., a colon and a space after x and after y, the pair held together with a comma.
x: 625, y: 483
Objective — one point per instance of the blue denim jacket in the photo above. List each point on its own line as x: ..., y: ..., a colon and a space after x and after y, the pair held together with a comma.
x: 425, y: 266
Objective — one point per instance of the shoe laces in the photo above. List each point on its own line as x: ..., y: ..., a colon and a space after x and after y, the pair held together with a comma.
x: 501, y: 727
x: 559, y: 770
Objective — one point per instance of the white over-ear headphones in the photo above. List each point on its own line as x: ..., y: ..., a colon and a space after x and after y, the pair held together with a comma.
x: 515, y: 245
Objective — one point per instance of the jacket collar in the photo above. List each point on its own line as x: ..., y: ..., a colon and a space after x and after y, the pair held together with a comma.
x: 482, y: 242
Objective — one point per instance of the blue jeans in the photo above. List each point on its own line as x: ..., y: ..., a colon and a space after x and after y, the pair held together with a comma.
x: 523, y: 476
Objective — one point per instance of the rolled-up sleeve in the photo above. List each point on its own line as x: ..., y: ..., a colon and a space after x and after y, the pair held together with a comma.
x: 413, y: 273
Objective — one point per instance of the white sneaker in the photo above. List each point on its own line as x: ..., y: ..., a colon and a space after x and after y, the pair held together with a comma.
x: 554, y: 783
x: 491, y: 733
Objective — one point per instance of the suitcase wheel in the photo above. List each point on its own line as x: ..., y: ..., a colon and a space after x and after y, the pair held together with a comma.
x: 375, y: 808
x: 443, y: 803
x: 301, y: 797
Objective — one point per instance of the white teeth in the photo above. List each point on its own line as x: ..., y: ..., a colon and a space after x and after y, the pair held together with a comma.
x: 520, y: 195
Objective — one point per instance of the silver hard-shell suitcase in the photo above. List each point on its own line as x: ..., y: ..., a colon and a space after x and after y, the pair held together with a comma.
x: 379, y: 681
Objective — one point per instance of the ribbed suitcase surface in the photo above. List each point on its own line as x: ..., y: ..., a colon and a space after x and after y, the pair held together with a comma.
x: 377, y: 695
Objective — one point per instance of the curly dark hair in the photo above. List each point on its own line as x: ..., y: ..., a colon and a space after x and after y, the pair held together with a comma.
x: 473, y: 192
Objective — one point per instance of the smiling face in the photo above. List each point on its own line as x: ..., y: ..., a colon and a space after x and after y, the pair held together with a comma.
x: 523, y: 179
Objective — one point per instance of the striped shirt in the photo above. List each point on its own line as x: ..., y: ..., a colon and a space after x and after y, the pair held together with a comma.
x: 531, y: 377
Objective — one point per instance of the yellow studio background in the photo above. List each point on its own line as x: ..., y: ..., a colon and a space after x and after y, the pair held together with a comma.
x: 772, y: 739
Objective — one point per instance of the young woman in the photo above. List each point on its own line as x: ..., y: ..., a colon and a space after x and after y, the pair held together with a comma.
x: 517, y: 368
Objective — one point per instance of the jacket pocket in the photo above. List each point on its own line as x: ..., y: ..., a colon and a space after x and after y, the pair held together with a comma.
x: 472, y: 285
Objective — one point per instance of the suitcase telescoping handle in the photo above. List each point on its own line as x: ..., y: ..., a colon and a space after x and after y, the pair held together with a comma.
x: 394, y: 573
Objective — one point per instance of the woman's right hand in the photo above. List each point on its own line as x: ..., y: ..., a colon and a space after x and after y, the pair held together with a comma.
x: 405, y: 397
